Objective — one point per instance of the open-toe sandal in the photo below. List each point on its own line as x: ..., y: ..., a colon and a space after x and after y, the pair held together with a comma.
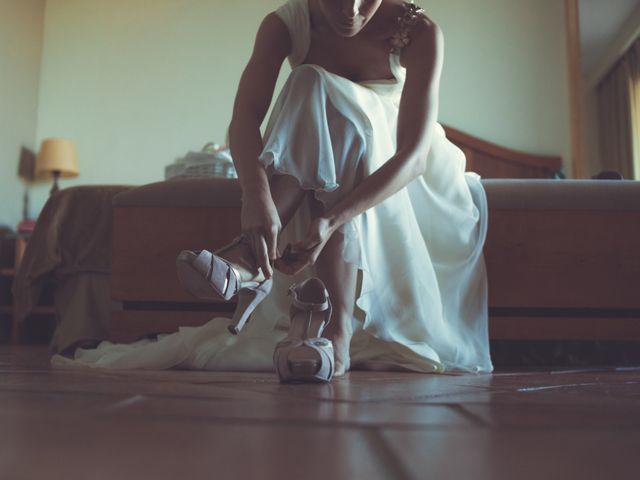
x: 208, y: 276
x: 305, y: 356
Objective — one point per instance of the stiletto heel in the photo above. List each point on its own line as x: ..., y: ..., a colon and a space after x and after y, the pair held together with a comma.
x: 248, y: 300
x: 209, y: 276
x: 305, y: 356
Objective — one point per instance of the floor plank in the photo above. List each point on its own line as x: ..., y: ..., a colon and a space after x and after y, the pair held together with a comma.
x: 105, y: 424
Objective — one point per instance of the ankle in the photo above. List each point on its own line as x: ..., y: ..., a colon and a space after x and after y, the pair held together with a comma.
x: 341, y: 321
x: 241, y: 256
x: 339, y: 333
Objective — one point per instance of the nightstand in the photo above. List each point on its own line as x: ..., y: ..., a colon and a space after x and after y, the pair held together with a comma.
x: 13, y: 251
x: 7, y: 273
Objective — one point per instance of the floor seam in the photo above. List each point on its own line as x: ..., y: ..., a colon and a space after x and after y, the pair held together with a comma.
x: 389, y: 456
x: 477, y: 420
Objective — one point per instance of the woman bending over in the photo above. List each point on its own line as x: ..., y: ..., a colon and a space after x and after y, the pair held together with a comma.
x: 353, y: 182
x: 354, y: 126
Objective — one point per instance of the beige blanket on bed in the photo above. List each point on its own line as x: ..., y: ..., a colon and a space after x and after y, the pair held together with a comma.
x: 72, y: 236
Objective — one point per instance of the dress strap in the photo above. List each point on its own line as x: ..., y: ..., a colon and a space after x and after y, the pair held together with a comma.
x: 295, y: 15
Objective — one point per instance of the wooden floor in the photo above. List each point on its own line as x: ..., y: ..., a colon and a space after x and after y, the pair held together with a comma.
x: 183, y: 425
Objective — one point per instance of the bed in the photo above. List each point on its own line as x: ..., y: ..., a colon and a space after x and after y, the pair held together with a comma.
x: 562, y: 256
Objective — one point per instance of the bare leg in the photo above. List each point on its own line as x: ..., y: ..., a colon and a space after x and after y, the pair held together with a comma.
x: 287, y: 195
x: 340, y: 278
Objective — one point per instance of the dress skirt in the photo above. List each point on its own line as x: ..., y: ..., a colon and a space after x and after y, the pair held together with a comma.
x: 422, y: 299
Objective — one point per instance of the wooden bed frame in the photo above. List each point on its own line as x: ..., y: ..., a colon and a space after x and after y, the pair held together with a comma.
x: 549, y: 273
x: 493, y: 161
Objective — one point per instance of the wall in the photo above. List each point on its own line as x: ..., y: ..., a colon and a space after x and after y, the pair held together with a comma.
x: 505, y: 75
x: 593, y: 160
x: 611, y: 40
x: 137, y: 83
x: 21, y: 25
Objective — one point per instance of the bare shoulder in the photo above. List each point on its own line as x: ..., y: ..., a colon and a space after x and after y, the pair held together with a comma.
x: 273, y: 36
x: 426, y: 27
x: 427, y: 43
x: 274, y: 23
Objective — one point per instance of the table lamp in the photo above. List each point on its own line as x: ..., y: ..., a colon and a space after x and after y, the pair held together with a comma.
x: 57, y: 157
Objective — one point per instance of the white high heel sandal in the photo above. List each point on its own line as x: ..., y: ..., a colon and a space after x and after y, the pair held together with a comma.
x: 305, y: 356
x: 209, y: 276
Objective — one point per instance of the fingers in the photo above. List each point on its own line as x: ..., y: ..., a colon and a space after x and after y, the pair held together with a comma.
x: 271, y: 237
x: 294, y: 260
x: 262, y: 256
x: 284, y: 261
x: 302, y: 254
x: 290, y: 268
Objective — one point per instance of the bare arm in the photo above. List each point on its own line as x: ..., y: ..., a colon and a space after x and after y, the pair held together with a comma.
x: 260, y: 221
x: 416, y: 121
x: 417, y: 116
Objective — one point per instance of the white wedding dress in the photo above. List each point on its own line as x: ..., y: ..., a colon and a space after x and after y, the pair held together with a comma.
x: 422, y: 304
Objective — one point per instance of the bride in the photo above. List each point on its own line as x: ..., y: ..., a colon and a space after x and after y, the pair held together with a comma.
x: 353, y: 182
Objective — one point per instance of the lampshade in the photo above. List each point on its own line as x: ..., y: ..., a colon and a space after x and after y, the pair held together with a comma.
x: 57, y: 155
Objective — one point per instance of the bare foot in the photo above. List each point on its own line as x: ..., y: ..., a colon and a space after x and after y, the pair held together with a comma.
x: 242, y: 258
x: 341, y: 342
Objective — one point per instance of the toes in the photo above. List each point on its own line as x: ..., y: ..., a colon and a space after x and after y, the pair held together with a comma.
x: 340, y: 370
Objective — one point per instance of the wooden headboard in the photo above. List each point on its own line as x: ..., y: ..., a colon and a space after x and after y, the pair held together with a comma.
x: 493, y: 161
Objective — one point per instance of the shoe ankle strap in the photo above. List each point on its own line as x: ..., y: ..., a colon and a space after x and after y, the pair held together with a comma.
x: 309, y: 306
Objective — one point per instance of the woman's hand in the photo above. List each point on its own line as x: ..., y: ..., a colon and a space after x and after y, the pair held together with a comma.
x: 302, y: 254
x: 261, y: 226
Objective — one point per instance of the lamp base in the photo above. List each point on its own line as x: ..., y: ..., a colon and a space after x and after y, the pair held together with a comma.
x: 55, y: 188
